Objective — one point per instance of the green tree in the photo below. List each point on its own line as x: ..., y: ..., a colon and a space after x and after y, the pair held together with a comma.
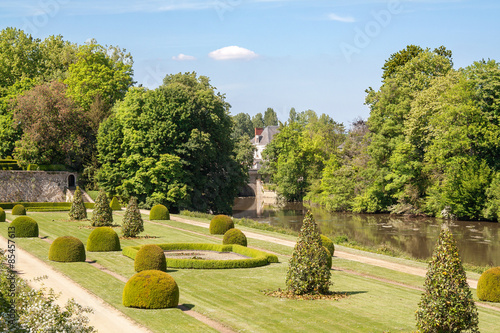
x: 292, y: 116
x: 492, y: 206
x: 78, y: 210
x: 270, y: 118
x: 258, y: 121
x: 242, y: 126
x: 102, y: 215
x: 132, y: 221
x: 308, y: 270
x: 447, y: 304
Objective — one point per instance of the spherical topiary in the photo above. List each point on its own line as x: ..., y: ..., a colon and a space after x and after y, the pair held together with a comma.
x: 235, y: 236
x: 67, y: 249
x: 25, y: 226
x: 150, y: 257
x: 18, y: 210
x: 328, y: 243
x: 220, y: 224
x: 2, y: 215
x: 488, y: 286
x: 151, y: 289
x: 159, y: 212
x: 115, y: 204
x: 103, y: 239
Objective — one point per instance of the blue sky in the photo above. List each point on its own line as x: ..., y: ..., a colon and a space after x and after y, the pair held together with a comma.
x: 307, y: 54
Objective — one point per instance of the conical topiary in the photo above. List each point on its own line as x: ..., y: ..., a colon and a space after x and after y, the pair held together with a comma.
x: 308, y: 271
x: 78, y: 210
x: 115, y: 204
x: 447, y: 304
x: 132, y: 221
x: 102, y: 215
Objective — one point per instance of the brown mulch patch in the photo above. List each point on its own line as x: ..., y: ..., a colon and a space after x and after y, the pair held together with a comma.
x: 307, y: 297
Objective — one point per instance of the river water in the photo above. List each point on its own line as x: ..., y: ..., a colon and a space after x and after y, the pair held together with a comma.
x: 478, y: 242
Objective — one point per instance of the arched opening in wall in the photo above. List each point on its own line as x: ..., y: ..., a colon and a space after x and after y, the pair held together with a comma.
x: 71, y: 181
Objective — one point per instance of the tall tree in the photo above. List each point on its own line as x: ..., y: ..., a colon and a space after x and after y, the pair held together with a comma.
x: 258, y: 121
x: 242, y: 126
x: 270, y: 118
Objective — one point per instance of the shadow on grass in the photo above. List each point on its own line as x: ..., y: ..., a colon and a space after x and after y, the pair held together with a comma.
x: 185, y: 307
x: 350, y: 293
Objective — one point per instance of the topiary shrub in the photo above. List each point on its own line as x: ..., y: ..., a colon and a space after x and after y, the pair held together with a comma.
x: 67, y: 249
x: 18, y: 210
x: 150, y: 257
x: 329, y: 261
x: 328, y: 243
x: 220, y: 224
x: 2, y: 215
x: 78, y: 210
x: 159, y: 212
x: 132, y: 221
x: 488, y: 286
x: 151, y: 289
x: 25, y: 226
x: 102, y: 214
x: 103, y: 239
x: 115, y: 204
x: 235, y: 236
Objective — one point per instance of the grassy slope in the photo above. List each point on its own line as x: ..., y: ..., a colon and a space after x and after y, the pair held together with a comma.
x: 234, y: 297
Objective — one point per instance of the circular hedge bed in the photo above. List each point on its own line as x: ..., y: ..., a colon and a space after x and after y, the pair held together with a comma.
x: 151, y: 289
x: 488, y: 285
x: 220, y: 224
x: 25, y: 226
x: 18, y: 210
x: 328, y: 243
x: 159, y: 212
x: 235, y: 236
x: 67, y: 249
x: 150, y: 257
x: 103, y: 239
x: 2, y: 215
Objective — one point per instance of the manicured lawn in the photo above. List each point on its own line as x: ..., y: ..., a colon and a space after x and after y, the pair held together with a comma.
x: 234, y: 297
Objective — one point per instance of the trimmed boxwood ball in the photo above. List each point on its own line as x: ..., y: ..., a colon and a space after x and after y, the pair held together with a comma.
x: 67, y: 249
x: 220, y: 224
x: 103, y: 239
x: 151, y: 289
x: 18, y: 210
x: 25, y: 226
x: 159, y: 212
x: 234, y: 236
x: 150, y: 257
x: 328, y: 243
x: 2, y: 215
x: 488, y: 285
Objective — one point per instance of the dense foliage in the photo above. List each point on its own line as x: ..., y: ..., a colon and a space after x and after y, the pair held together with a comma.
x: 78, y: 210
x: 132, y: 221
x: 149, y: 257
x: 115, y: 204
x: 220, y: 224
x: 67, y: 249
x: 2, y: 215
x: 328, y: 243
x: 25, y: 226
x: 308, y: 270
x: 18, y: 210
x: 159, y: 212
x: 447, y: 304
x: 151, y: 289
x: 102, y: 214
x: 103, y: 239
x: 234, y: 236
x: 488, y: 285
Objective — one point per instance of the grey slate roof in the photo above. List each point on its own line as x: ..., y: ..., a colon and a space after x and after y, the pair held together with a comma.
x: 267, y: 135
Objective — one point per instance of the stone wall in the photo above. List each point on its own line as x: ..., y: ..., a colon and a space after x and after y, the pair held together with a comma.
x: 35, y: 186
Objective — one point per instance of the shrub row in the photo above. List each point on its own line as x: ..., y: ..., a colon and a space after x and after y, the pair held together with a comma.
x: 257, y: 258
x: 40, y: 206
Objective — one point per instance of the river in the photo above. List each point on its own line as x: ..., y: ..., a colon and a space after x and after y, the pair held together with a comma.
x: 478, y: 242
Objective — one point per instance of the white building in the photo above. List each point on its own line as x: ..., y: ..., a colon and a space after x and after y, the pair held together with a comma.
x: 262, y: 137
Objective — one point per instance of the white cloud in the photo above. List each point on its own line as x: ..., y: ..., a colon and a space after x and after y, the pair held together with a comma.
x: 183, y: 57
x: 345, y: 19
x: 232, y: 52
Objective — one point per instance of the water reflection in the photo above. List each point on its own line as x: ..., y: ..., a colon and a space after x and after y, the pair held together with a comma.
x: 478, y: 242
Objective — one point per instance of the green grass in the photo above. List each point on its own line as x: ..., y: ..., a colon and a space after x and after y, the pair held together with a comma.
x: 234, y: 297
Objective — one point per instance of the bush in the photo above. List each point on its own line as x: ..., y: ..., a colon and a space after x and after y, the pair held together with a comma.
x: 25, y: 227
x: 18, y: 210
x: 115, y: 204
x: 103, y: 239
x: 488, y: 286
x: 2, y: 215
x: 159, y: 212
x: 150, y: 257
x: 132, y: 221
x: 220, y: 224
x: 102, y: 215
x: 151, y: 289
x: 329, y: 256
x: 234, y: 236
x: 67, y: 249
x: 78, y: 210
x: 447, y: 304
x: 328, y: 243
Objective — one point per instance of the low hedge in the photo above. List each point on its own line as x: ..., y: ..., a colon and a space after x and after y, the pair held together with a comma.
x: 43, y: 206
x: 159, y: 212
x: 67, y: 249
x: 18, y: 210
x: 25, y: 226
x: 257, y: 258
x: 220, y: 224
x: 151, y: 289
x: 235, y: 236
x: 2, y: 215
x: 103, y: 239
x: 149, y: 257
x: 488, y: 285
